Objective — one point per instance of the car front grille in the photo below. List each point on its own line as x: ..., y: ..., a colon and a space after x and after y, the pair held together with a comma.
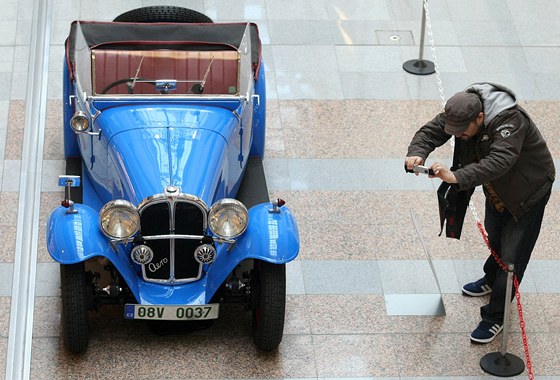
x: 161, y: 219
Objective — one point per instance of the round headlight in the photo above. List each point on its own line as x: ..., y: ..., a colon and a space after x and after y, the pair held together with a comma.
x: 228, y: 218
x: 119, y: 219
x: 79, y: 122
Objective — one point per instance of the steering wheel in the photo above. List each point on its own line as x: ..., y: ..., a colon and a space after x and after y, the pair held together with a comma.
x: 125, y: 80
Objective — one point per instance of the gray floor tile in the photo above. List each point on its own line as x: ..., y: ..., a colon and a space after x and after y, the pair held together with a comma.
x: 297, y: 10
x: 412, y: 10
x: 407, y: 277
x: 535, y: 11
x: 23, y: 32
x: 6, y: 58
x: 548, y: 86
x: 19, y: 89
x: 271, y: 92
x: 481, y: 10
x: 543, y: 60
x: 55, y: 85
x: 239, y: 10
x: 360, y: 85
x: 11, y: 174
x: 6, y: 274
x: 293, y: 58
x: 5, y: 86
x: 443, y: 32
x: 306, y: 32
x: 477, y: 33
x: 344, y: 174
x: 381, y: 59
x: 294, y: 278
x: 21, y: 58
x: 495, y: 59
x: 51, y: 170
x: 446, y: 276
x: 48, y: 280
x: 544, y: 273
x: 537, y: 33
x: 2, y: 143
x: 277, y: 174
x: 360, y: 32
x: 4, y: 107
x: 264, y: 33
x: 358, y: 10
x: 8, y: 28
x: 341, y: 277
x: 321, y: 84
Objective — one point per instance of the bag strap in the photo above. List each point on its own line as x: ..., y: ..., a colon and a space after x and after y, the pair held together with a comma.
x: 456, y: 155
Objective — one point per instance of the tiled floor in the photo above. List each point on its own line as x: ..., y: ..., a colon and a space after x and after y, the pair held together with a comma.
x: 341, y: 111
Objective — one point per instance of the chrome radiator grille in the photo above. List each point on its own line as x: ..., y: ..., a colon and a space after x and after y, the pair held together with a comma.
x: 165, y: 217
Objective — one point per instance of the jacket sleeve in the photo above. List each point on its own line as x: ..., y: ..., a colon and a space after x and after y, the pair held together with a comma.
x: 430, y: 136
x: 507, y: 134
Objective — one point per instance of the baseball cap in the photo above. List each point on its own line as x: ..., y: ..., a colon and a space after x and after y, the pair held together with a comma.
x: 460, y: 110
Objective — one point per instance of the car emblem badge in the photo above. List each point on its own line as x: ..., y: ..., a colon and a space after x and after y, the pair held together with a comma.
x: 142, y: 254
x: 205, y: 254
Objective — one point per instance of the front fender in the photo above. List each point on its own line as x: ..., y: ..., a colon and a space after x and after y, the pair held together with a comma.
x: 270, y: 236
x: 72, y: 238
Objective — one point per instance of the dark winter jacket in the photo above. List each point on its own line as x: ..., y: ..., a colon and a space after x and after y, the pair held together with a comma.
x: 508, y: 153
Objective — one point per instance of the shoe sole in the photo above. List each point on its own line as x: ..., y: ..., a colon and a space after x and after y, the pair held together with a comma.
x: 472, y: 294
x: 488, y: 340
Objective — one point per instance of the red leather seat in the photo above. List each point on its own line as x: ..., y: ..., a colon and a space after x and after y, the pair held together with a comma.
x: 113, y: 65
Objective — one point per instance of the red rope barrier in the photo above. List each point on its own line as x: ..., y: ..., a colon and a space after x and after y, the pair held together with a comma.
x: 517, y: 297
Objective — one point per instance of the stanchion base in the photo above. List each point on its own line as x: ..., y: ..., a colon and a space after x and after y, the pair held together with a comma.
x: 419, y: 67
x: 504, y: 366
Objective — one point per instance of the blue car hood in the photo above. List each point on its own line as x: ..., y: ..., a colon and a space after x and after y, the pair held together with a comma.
x: 151, y: 148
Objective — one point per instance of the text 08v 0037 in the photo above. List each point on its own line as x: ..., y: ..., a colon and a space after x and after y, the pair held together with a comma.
x: 171, y: 312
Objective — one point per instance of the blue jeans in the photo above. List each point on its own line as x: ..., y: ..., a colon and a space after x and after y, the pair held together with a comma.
x: 513, y: 240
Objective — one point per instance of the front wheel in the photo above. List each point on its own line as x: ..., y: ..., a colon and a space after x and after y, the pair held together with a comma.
x: 268, y: 304
x: 75, y: 304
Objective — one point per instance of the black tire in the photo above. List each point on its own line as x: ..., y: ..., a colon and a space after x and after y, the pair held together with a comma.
x: 269, y: 304
x: 163, y: 14
x: 76, y: 301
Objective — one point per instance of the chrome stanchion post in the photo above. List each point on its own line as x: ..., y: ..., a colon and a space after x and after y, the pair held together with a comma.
x: 501, y: 363
x: 420, y: 66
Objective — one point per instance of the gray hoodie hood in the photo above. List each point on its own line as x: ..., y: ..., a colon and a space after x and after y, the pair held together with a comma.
x: 495, y: 97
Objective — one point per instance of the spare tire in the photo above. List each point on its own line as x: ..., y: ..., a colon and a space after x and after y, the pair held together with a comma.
x: 163, y: 14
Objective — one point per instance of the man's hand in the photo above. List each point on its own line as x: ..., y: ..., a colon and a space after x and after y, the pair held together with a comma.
x: 442, y: 172
x: 412, y: 161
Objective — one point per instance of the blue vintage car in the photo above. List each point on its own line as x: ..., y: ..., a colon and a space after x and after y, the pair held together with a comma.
x: 166, y: 208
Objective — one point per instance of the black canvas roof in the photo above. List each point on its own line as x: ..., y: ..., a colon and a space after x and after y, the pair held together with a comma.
x: 130, y: 35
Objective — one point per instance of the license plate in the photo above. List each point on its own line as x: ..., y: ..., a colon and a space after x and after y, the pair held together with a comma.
x: 171, y: 312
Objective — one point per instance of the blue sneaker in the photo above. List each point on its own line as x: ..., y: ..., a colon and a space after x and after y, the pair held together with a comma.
x: 486, y: 332
x: 477, y: 289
